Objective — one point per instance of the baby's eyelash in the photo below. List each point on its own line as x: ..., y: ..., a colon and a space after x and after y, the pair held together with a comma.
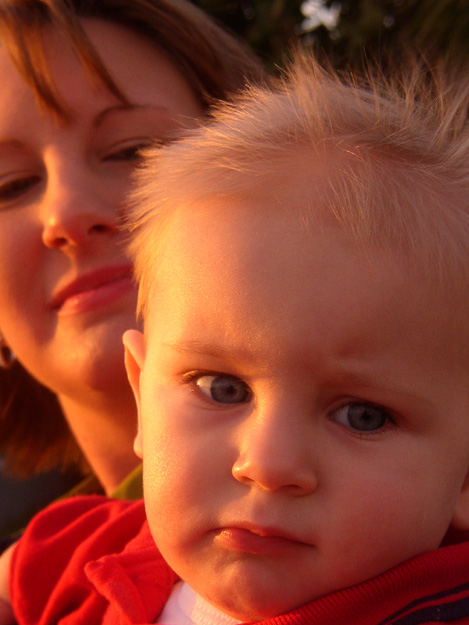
x: 190, y: 376
x: 220, y: 388
x: 363, y: 419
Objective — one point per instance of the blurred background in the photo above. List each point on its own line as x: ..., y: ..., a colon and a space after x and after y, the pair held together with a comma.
x: 347, y: 34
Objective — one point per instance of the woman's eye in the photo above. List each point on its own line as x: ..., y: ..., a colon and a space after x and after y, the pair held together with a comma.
x: 361, y: 417
x: 18, y: 187
x: 127, y: 152
x: 224, y: 389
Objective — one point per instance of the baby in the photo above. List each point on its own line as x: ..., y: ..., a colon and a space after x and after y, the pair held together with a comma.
x: 302, y: 378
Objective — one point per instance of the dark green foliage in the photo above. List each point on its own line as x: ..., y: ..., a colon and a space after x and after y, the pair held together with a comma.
x: 267, y: 25
x: 365, y: 29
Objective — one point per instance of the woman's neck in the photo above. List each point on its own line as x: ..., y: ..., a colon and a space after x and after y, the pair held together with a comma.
x: 105, y: 431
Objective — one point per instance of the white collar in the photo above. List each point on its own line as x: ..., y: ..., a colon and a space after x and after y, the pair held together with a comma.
x: 186, y: 607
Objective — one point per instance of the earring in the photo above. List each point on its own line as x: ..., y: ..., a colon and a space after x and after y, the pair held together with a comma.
x: 7, y: 356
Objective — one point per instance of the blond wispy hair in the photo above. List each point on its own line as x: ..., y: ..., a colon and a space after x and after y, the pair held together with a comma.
x: 399, y: 149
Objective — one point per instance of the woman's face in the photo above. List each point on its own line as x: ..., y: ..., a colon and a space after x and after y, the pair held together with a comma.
x: 65, y: 290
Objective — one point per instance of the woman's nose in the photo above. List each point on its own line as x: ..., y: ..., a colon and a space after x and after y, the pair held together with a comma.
x: 275, y: 454
x: 75, y: 209
x: 74, y: 229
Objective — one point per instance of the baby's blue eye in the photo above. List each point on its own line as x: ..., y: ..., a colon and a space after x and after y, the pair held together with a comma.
x: 224, y: 389
x: 361, y: 417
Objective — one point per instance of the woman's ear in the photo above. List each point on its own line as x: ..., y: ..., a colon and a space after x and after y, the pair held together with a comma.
x: 134, y: 344
x: 460, y: 519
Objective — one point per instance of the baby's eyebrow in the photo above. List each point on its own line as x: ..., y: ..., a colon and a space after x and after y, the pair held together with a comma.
x: 385, y: 389
x: 195, y: 346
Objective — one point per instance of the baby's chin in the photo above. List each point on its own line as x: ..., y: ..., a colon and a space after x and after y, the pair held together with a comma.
x: 259, y: 606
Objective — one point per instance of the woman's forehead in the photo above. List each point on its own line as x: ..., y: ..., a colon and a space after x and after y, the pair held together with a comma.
x: 132, y: 69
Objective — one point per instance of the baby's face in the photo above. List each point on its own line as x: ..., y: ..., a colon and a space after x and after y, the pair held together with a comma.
x: 304, y: 410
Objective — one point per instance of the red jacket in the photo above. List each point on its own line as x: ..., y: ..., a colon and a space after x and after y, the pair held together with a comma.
x: 91, y: 560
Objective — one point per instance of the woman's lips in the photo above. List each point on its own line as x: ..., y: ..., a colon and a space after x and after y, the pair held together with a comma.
x: 256, y: 541
x: 93, y: 290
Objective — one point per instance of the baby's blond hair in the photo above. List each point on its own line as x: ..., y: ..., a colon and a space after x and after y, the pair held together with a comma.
x: 400, y: 163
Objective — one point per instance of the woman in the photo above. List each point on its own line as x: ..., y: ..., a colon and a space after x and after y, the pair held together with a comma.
x: 85, y: 85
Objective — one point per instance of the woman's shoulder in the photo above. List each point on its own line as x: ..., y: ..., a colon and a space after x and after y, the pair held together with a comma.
x: 6, y: 613
x: 131, y: 486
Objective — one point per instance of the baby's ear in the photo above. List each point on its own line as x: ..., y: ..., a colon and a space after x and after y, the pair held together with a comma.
x: 461, y: 511
x: 134, y: 344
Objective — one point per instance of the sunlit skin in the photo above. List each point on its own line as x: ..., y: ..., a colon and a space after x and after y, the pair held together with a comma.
x: 302, y: 408
x: 62, y: 187
x: 66, y: 294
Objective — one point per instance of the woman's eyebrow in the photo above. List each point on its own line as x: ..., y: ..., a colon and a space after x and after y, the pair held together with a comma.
x: 117, y: 109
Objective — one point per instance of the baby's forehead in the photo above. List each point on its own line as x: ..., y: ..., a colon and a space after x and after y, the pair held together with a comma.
x: 280, y: 228
x: 251, y: 229
x: 379, y: 205
x: 229, y: 270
